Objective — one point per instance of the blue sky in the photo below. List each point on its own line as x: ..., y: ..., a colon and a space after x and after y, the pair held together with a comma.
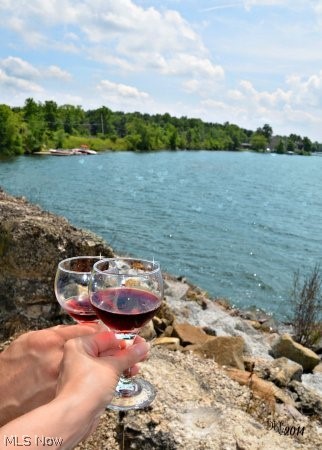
x: 249, y: 62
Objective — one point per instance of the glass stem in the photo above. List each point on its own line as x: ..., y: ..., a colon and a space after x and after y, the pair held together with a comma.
x: 126, y: 386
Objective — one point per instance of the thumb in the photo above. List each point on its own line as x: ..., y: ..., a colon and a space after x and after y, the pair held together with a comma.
x: 131, y: 355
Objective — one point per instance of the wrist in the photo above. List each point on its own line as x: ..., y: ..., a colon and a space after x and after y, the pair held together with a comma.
x: 67, y: 420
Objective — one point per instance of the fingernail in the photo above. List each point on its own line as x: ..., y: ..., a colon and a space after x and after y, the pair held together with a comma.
x: 142, y: 348
x: 122, y: 344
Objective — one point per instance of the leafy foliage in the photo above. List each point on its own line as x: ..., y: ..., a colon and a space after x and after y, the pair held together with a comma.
x: 37, y: 126
x: 10, y: 137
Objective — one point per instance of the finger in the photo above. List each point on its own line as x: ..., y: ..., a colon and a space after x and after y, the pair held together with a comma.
x: 112, y: 350
x: 123, y: 344
x: 138, y: 339
x: 73, y: 331
x: 100, y: 343
x: 134, y: 370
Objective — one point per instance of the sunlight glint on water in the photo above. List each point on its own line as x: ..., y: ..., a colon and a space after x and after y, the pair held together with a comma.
x: 236, y: 224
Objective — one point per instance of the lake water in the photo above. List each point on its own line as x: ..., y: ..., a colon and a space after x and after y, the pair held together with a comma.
x: 236, y: 224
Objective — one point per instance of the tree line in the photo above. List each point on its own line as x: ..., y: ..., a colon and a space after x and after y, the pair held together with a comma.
x: 37, y: 126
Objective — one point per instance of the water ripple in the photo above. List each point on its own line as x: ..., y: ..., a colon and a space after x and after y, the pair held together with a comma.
x: 237, y: 224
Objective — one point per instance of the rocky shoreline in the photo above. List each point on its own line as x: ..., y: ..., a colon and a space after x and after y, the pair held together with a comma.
x: 226, y: 379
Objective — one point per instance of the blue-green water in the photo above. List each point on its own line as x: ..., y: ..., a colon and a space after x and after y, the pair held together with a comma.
x: 236, y: 224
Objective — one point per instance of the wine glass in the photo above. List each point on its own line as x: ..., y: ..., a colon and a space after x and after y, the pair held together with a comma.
x: 71, y: 287
x: 126, y: 293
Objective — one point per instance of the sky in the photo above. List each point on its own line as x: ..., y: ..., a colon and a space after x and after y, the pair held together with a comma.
x: 248, y: 62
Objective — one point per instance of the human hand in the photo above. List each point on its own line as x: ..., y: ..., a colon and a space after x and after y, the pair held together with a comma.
x: 91, y: 368
x: 90, y: 371
x: 29, y: 368
x: 94, y: 364
x: 88, y: 374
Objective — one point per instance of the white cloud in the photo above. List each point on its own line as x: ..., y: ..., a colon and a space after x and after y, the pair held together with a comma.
x: 191, y: 86
x: 264, y: 99
x: 20, y: 79
x: 255, y: 61
x: 122, y: 64
x: 301, y: 93
x: 18, y: 85
x: 110, y: 89
x: 17, y: 67
x: 122, y: 96
x: 235, y: 94
x: 317, y: 6
x: 57, y: 72
x: 128, y: 36
x: 297, y: 106
x: 306, y: 91
x: 187, y: 64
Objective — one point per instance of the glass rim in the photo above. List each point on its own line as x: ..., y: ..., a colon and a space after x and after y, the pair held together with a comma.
x: 155, y: 264
x: 73, y: 258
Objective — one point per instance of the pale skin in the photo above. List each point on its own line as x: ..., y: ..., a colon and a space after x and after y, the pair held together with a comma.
x: 29, y: 368
x: 88, y: 373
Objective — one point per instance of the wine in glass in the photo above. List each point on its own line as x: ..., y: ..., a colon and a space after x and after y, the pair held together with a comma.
x: 126, y: 293
x: 71, y: 287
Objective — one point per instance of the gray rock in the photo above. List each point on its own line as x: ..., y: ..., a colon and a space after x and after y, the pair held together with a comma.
x: 313, y: 381
x: 283, y: 370
x: 219, y: 320
x: 308, y: 401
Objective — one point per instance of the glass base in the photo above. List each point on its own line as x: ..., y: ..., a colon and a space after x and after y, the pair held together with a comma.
x: 137, y: 394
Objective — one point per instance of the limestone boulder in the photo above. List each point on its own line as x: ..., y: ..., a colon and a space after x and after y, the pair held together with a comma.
x: 189, y: 334
x: 283, y: 371
x: 264, y: 389
x: 318, y: 368
x: 148, y: 331
x: 32, y: 242
x: 287, y: 347
x: 225, y: 350
x: 171, y: 343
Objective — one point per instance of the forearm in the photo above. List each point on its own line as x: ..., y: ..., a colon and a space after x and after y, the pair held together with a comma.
x: 12, y: 392
x: 21, y: 388
x: 60, y: 424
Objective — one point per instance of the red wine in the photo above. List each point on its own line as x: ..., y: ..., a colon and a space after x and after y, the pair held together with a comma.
x: 125, y: 309
x: 80, y: 309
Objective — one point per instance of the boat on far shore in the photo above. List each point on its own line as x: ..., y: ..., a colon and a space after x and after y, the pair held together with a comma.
x: 60, y: 152
x: 82, y: 150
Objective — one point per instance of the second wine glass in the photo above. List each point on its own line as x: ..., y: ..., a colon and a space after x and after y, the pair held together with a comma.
x: 71, y: 287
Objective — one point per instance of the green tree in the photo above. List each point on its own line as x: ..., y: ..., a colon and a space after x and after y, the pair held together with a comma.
x: 73, y: 120
x: 307, y: 145
x: 51, y: 115
x: 267, y: 131
x: 173, y: 138
x: 236, y: 135
x: 280, y: 147
x: 290, y: 147
x: 34, y: 135
x: 60, y: 137
x: 10, y: 139
x: 258, y: 142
